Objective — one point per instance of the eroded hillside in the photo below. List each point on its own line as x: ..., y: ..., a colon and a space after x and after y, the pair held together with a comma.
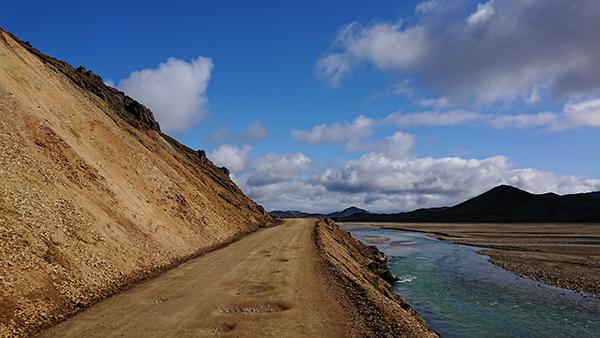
x: 92, y: 195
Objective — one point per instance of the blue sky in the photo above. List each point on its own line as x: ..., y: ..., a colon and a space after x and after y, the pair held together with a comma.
x: 483, y: 92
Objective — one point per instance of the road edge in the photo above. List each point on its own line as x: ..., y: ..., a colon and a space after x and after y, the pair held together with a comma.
x: 140, y: 277
x: 372, y: 307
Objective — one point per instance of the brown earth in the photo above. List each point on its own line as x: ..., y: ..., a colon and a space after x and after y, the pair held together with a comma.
x: 93, y: 197
x: 375, y: 310
x: 269, y: 283
x: 564, y: 255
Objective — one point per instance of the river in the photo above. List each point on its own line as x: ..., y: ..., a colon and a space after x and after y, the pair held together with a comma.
x: 461, y: 294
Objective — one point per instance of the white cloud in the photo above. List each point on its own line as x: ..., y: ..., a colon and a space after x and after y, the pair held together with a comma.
x: 403, y: 87
x: 398, y: 145
x: 575, y: 114
x: 384, y: 184
x: 433, y: 118
x: 385, y: 44
x: 350, y: 133
x: 499, y: 53
x: 235, y: 158
x: 175, y: 91
x: 381, y: 174
x: 545, y: 120
x: 333, y: 68
x: 583, y: 113
x: 483, y: 13
x: 256, y: 131
x: 274, y: 168
x: 430, y: 6
x: 388, y: 178
x: 451, y: 179
x: 441, y: 102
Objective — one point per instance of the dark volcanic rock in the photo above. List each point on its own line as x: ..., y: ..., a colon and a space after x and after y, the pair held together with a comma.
x: 379, y: 265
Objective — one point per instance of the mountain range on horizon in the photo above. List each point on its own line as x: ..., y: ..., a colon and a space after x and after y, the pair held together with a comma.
x: 501, y: 204
x: 335, y: 215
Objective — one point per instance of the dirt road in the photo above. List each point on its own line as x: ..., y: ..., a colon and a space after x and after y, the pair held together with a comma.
x: 267, y: 284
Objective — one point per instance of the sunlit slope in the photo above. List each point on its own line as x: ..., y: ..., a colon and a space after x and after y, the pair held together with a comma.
x: 92, y: 195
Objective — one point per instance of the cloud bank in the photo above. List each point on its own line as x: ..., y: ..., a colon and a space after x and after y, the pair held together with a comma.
x: 380, y: 183
x: 385, y: 178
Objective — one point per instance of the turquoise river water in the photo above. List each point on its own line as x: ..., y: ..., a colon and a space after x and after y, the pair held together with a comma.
x: 461, y: 294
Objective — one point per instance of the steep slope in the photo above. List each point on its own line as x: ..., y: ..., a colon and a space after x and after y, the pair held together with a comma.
x: 92, y: 195
x: 503, y: 204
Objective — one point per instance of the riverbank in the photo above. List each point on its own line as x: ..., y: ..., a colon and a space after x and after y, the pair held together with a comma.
x: 460, y: 293
x: 375, y: 310
x: 563, y: 255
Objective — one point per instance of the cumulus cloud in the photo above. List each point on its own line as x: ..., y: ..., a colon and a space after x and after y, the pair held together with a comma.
x: 352, y: 133
x: 175, y: 91
x: 499, y: 52
x: 256, y: 131
x: 378, y: 173
x: 233, y: 157
x: 388, y: 178
x: 398, y: 145
x: 448, y: 180
x: 384, y: 184
x: 275, y: 168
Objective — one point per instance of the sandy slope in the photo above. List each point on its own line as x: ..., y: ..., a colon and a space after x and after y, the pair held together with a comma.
x: 266, y: 284
x: 93, y: 196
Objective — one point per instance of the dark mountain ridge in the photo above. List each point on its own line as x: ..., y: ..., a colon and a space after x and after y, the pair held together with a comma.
x: 335, y: 215
x: 502, y: 204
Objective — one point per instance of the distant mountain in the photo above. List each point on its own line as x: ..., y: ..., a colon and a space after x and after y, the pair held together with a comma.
x: 347, y: 212
x: 292, y: 214
x: 335, y: 215
x: 502, y: 204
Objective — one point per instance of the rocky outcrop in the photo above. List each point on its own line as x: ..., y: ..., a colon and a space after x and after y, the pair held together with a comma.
x: 379, y: 265
x: 357, y: 272
x: 130, y: 110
